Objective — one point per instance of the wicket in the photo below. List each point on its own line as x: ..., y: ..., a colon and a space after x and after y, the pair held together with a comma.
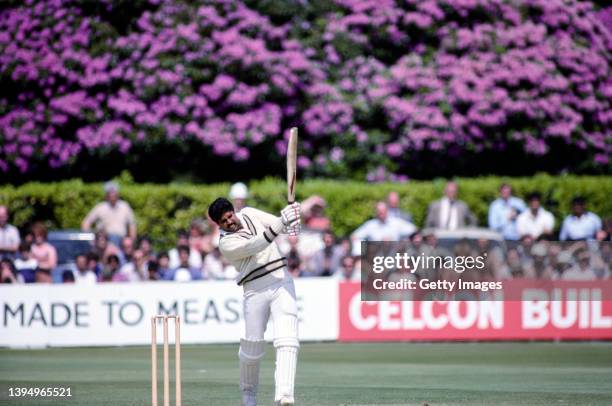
x: 177, y: 360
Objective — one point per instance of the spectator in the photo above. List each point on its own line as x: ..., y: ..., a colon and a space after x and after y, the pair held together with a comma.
x: 504, y: 211
x: 111, y: 273
x: 525, y: 249
x: 563, y: 264
x: 432, y: 246
x: 136, y: 269
x: 415, y: 247
x: 535, y: 222
x: 67, y: 276
x: 605, y: 234
x: 113, y: 215
x: 127, y: 250
x: 44, y: 253
x: 313, y: 213
x: 582, y: 271
x: 184, y: 272
x: 163, y: 265
x: 145, y: 245
x: 541, y: 268
x: 216, y: 267
x: 512, y: 267
x: 83, y: 275
x: 26, y: 265
x: 9, y: 235
x: 210, y: 239
x: 347, y: 271
x: 393, y: 201
x: 197, y: 235
x: 103, y: 247
x: 195, y: 258
x: 449, y: 213
x: 582, y: 224
x: 93, y: 263
x: 295, y: 265
x: 326, y: 261
x: 238, y: 194
x: 153, y: 268
x: 8, y: 273
x: 381, y: 228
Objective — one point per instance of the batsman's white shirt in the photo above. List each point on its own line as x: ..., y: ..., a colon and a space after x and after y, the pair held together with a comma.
x: 252, y: 252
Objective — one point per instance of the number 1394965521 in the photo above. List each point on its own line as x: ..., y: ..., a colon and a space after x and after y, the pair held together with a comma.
x: 42, y: 392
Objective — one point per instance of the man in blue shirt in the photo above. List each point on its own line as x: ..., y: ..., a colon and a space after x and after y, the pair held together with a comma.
x: 582, y: 224
x: 504, y: 211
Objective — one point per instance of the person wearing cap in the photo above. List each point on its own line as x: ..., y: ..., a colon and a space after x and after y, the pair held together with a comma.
x: 239, y: 193
x: 113, y: 215
x: 582, y: 224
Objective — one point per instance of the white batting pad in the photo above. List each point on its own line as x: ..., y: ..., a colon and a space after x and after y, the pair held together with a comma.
x: 286, y: 331
x: 250, y: 354
x: 284, y: 376
x: 286, y: 344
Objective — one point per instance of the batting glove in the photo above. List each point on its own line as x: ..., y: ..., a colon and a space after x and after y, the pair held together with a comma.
x: 291, y: 214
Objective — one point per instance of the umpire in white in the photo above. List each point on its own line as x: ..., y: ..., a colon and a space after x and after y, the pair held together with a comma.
x: 246, y: 242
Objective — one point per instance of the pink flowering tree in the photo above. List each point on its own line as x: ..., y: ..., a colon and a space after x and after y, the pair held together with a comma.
x: 380, y: 89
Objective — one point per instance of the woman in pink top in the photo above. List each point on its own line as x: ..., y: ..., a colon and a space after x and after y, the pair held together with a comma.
x: 44, y: 253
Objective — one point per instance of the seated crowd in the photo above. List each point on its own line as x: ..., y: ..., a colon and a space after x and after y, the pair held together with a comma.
x: 117, y: 254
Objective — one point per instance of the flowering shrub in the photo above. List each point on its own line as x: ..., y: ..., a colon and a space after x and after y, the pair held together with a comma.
x: 373, y: 85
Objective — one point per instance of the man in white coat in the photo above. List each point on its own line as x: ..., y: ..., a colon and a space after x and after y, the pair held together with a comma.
x: 247, y: 243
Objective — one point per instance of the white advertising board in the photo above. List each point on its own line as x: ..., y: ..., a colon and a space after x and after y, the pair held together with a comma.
x: 119, y: 313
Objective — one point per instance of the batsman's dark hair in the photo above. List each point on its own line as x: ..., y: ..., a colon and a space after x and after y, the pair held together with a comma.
x: 219, y: 207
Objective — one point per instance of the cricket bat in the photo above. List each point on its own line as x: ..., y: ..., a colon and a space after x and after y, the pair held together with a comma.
x: 292, y: 164
x: 292, y: 172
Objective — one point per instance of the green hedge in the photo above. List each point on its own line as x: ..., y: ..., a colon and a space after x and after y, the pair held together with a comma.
x: 162, y: 210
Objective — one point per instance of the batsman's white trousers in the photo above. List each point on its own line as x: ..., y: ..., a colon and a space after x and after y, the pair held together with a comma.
x: 276, y: 300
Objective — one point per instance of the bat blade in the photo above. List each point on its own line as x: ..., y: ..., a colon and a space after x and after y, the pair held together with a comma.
x: 292, y: 164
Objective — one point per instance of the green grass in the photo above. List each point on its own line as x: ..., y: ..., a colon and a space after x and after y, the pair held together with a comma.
x: 332, y: 374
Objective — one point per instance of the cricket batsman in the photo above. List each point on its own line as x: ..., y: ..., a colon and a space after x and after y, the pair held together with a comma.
x: 247, y: 243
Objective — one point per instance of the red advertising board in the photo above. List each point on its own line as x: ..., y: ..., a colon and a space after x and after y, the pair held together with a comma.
x: 473, y: 320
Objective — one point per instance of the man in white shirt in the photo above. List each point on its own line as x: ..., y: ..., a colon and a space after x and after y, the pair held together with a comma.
x: 582, y: 224
x: 9, y: 235
x: 82, y: 274
x: 382, y: 227
x: 136, y: 269
x: 535, y: 221
x: 114, y: 216
x: 247, y: 243
x: 195, y: 257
